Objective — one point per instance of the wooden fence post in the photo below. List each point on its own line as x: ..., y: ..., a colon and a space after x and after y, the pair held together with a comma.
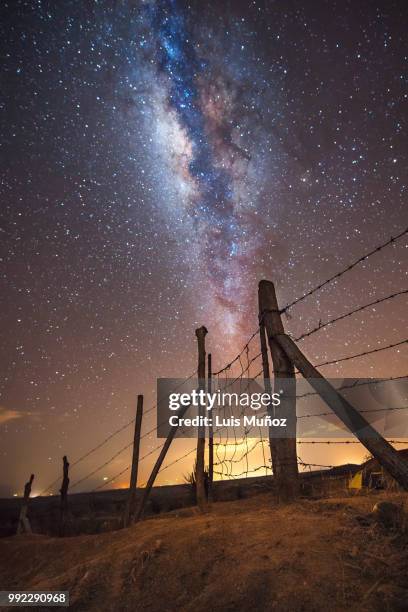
x: 130, y: 502
x: 157, y: 466
x: 200, y: 467
x: 64, y: 494
x: 382, y: 450
x: 268, y: 387
x: 23, y: 522
x: 283, y: 451
x: 210, y: 435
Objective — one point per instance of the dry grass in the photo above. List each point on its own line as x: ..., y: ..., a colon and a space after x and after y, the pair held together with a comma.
x: 243, y: 555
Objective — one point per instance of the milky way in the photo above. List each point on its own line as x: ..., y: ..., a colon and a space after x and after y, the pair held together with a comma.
x: 160, y: 158
x: 201, y: 112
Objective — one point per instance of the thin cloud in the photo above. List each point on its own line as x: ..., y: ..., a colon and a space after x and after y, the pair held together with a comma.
x: 7, y: 415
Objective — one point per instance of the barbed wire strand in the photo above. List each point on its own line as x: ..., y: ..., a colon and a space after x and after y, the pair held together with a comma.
x: 349, y: 314
x: 115, y: 433
x: 370, y: 352
x: 368, y: 410
x: 228, y: 365
x: 356, y: 383
x: 346, y: 441
x: 347, y: 269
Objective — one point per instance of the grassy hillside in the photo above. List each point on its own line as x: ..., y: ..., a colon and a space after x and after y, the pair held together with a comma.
x: 248, y: 554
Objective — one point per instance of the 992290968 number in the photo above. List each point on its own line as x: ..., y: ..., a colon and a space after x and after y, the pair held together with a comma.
x: 34, y: 598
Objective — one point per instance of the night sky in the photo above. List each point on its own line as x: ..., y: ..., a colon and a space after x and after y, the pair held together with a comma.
x: 158, y: 159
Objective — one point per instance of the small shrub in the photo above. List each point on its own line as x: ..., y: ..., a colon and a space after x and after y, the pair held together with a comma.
x: 190, y: 479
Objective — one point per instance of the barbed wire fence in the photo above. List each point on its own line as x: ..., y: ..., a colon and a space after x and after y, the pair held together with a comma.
x: 121, y: 450
x: 241, y: 454
x: 233, y: 452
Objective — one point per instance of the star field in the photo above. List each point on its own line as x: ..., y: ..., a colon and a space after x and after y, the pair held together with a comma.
x: 159, y: 159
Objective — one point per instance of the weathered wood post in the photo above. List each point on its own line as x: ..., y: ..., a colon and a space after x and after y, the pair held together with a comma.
x: 210, y: 434
x: 268, y: 387
x: 23, y: 522
x: 157, y: 466
x: 283, y: 451
x: 130, y: 502
x: 382, y: 450
x: 201, y: 496
x: 64, y: 495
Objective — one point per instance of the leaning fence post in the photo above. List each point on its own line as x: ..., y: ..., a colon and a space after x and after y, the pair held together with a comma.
x: 382, y: 450
x: 23, y: 522
x: 199, y: 469
x: 64, y: 494
x: 285, y: 448
x: 210, y: 435
x: 157, y: 466
x: 130, y: 502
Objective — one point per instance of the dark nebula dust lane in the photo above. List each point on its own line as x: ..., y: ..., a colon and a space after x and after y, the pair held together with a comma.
x: 158, y: 159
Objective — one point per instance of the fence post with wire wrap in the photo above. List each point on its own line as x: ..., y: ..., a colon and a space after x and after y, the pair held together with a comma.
x: 130, y: 502
x: 201, y: 495
x: 283, y: 450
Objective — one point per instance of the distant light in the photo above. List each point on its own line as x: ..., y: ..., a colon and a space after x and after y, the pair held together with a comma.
x: 15, y: 494
x: 105, y: 478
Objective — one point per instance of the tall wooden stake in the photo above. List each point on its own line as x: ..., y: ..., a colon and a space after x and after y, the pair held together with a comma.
x: 64, y: 494
x: 23, y: 522
x: 210, y: 435
x: 157, y: 466
x: 382, y: 450
x: 130, y: 503
x: 268, y: 388
x: 283, y: 450
x: 199, y: 471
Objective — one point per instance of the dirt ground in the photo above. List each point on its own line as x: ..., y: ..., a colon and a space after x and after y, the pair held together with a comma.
x: 243, y: 555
